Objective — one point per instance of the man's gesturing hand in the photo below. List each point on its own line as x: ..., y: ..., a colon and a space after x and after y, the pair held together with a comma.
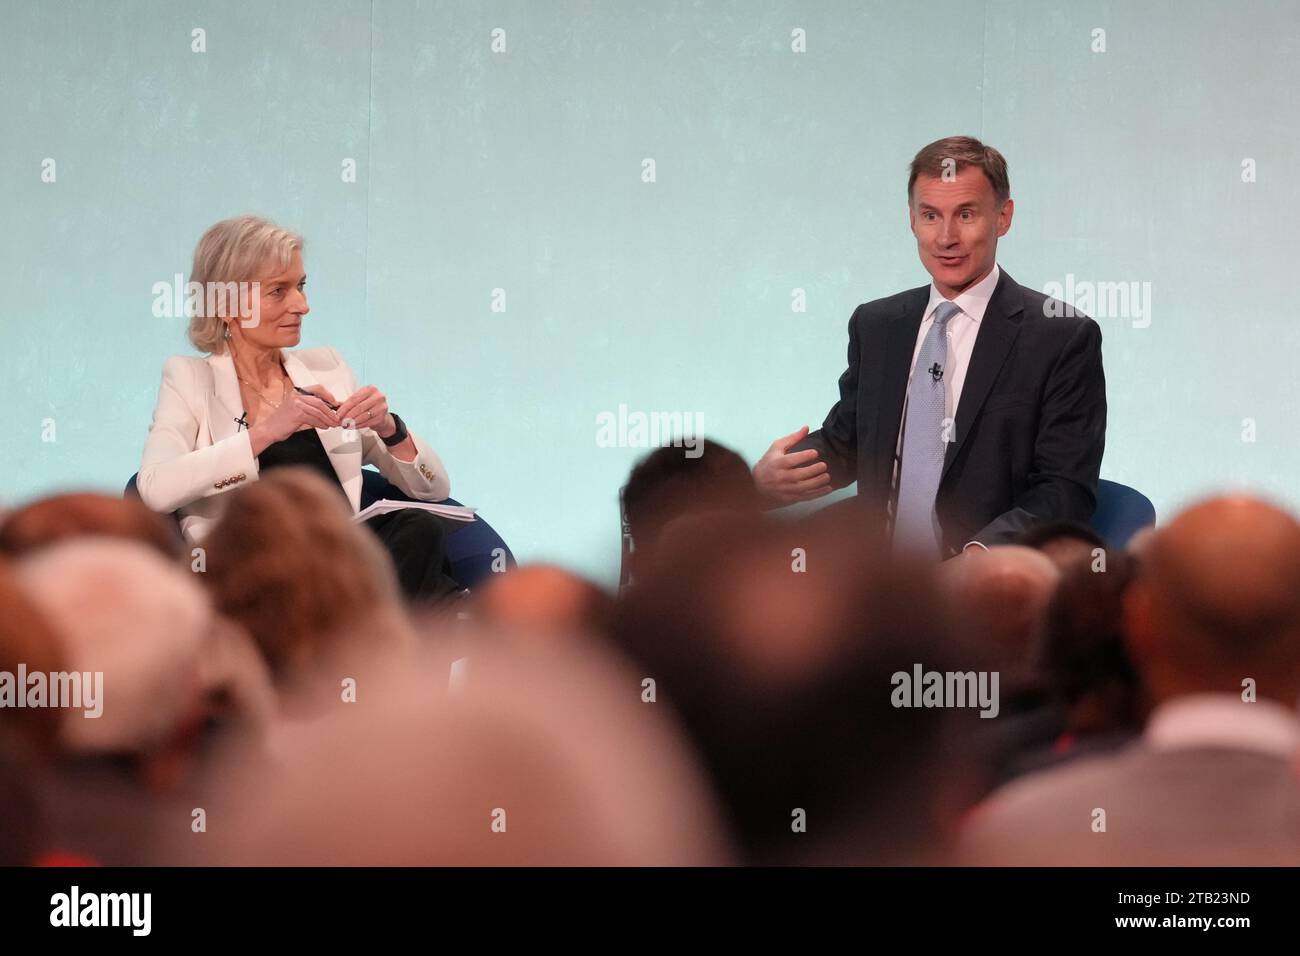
x: 785, y: 477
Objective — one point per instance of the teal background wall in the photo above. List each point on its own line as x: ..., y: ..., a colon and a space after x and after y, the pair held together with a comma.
x: 521, y: 171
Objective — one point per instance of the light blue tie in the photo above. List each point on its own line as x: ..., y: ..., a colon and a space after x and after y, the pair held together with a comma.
x: 924, y: 440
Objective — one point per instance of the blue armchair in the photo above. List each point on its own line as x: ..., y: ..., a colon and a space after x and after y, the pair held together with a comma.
x: 1121, y: 513
x: 472, y: 550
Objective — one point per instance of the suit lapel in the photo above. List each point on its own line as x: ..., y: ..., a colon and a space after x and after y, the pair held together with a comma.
x: 341, y: 444
x: 900, y: 343
x: 228, y: 406
x: 998, y: 330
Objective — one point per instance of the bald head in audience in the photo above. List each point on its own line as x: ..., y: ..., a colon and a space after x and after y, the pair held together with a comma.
x: 135, y: 633
x: 544, y: 602
x: 538, y: 760
x: 122, y: 610
x: 1065, y: 542
x: 1219, y: 601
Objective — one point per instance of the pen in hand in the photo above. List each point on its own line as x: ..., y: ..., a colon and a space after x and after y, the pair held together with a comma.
x: 303, y: 391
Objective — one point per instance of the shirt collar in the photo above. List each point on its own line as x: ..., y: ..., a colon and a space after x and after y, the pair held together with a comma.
x: 1224, y: 720
x: 973, y: 301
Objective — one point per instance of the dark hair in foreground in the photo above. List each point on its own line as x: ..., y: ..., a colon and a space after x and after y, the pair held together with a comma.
x: 1083, y: 649
x: 75, y: 515
x: 667, y: 485
x: 775, y: 643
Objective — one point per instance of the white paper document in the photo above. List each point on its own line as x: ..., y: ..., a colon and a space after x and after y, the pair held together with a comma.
x: 384, y: 505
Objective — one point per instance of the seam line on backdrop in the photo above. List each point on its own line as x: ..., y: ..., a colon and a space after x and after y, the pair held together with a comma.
x: 365, y: 257
x: 984, y: 67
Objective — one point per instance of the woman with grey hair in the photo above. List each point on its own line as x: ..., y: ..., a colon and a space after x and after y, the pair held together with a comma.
x: 250, y: 404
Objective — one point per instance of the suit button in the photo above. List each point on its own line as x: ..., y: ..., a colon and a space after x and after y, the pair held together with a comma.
x: 216, y: 484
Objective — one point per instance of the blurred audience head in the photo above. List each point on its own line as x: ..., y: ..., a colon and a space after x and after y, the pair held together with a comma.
x: 1218, y: 601
x: 540, y: 760
x: 28, y: 640
x: 544, y: 604
x: 314, y: 589
x: 1137, y: 544
x: 1083, y: 657
x: 999, y: 598
x: 668, y: 485
x: 740, y: 704
x: 1064, y: 542
x: 59, y: 517
x: 778, y: 644
x: 122, y: 611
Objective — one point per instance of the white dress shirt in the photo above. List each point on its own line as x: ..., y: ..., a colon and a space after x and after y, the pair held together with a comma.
x: 961, y: 332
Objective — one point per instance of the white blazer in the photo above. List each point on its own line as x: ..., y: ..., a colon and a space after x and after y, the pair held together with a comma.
x: 197, y: 451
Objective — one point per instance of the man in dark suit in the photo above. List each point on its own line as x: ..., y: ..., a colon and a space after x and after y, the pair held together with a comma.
x: 971, y: 409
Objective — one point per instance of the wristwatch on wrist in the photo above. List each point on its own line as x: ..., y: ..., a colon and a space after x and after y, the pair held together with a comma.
x: 399, y: 436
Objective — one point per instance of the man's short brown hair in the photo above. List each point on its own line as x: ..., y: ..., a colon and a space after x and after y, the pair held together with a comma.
x: 963, y: 151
